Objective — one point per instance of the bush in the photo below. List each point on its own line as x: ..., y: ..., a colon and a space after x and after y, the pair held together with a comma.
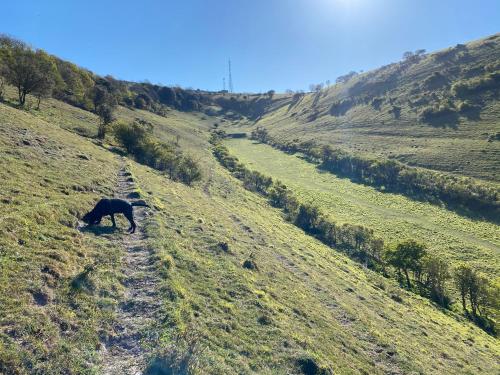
x: 259, y: 134
x: 436, y: 113
x: 435, y: 81
x: 476, y: 86
x: 167, y: 157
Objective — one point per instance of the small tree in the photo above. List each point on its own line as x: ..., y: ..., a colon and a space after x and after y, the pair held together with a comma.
x: 28, y: 71
x: 270, y: 94
x: 44, y: 90
x: 436, y: 274
x: 407, y: 257
x: 408, y: 55
x: 106, y: 117
x: 475, y: 290
x: 463, y: 276
x: 104, y: 106
x: 308, y: 217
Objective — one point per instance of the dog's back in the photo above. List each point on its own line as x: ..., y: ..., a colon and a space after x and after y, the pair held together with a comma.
x: 110, y: 207
x: 114, y: 206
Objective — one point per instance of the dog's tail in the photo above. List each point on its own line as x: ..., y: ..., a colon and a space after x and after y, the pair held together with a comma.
x: 140, y: 203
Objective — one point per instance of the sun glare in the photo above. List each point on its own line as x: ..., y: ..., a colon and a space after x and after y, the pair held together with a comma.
x: 344, y: 4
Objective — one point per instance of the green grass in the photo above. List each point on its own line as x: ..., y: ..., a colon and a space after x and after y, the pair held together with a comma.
x: 320, y: 303
x: 393, y: 217
x: 52, y: 314
x: 305, y: 300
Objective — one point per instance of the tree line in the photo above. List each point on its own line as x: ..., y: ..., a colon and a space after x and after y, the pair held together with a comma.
x: 409, y: 261
x: 460, y: 193
x: 35, y: 72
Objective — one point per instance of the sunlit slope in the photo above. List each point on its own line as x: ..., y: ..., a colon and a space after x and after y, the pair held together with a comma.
x: 380, y: 112
x: 53, y: 307
x: 303, y: 300
x: 393, y: 217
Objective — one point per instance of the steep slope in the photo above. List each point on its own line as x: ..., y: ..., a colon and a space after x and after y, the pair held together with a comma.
x: 57, y: 285
x: 301, y: 301
x: 295, y: 305
x: 438, y: 111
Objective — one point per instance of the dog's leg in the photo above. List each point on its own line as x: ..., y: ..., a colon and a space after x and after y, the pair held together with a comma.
x: 113, y: 220
x: 130, y: 217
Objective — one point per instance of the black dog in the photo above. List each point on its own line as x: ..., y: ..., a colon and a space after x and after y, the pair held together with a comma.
x: 111, y: 207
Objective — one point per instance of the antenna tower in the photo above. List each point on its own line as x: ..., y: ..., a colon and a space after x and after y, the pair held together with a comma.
x: 231, y: 88
x: 223, y: 83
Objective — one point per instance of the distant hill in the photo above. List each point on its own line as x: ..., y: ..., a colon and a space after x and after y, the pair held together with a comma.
x: 439, y: 110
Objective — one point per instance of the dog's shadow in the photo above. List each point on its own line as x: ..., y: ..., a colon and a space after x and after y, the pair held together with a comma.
x: 98, y: 230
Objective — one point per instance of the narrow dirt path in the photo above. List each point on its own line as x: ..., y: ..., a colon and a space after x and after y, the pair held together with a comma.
x: 126, y: 352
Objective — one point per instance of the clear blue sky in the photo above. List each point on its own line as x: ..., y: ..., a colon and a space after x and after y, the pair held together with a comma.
x: 274, y: 44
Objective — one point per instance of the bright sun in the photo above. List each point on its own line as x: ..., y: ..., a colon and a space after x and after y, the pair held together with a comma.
x: 344, y: 4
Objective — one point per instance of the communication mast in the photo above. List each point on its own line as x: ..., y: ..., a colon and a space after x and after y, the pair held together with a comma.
x: 223, y: 83
x: 231, y: 88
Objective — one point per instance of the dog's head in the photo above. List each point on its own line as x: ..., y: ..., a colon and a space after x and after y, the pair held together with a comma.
x: 88, y: 218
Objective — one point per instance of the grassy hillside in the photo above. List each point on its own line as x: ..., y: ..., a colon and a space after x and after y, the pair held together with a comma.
x: 301, y: 305
x: 57, y: 284
x: 438, y: 111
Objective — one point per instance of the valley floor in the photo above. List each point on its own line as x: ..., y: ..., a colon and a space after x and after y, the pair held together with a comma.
x: 392, y: 216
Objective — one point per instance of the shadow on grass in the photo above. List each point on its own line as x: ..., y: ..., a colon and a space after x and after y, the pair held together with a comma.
x: 98, y: 230
x: 482, y: 214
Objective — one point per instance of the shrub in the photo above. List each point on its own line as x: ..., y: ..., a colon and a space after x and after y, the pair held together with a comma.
x: 476, y: 86
x: 259, y: 134
x: 435, y: 81
x: 188, y: 170
x: 435, y: 274
x: 436, y: 113
x: 167, y: 157
x: 406, y: 257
